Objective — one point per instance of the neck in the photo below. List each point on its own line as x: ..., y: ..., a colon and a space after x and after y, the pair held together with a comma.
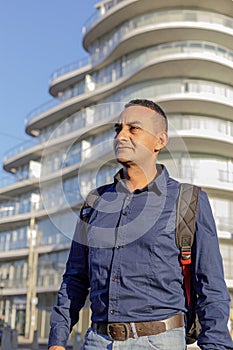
x: 137, y: 178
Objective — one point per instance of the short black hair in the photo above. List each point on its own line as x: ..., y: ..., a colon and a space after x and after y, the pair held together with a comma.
x: 149, y: 104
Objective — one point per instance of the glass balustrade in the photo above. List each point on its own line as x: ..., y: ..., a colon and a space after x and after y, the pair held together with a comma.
x: 170, y: 15
x: 14, y: 239
x: 51, y: 268
x: 85, y: 118
x: 23, y: 146
x: 227, y: 254
x: 51, y: 196
x: 193, y: 123
x: 173, y: 15
x: 131, y: 62
x: 16, y: 283
x: 47, y: 235
x: 102, y: 47
x: 203, y: 170
x: 201, y: 124
x: 200, y: 168
x: 70, y: 68
x: 14, y: 274
x: 102, y: 10
x: 163, y: 87
x: 50, y: 280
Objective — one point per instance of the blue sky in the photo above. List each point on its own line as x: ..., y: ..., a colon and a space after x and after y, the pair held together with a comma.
x: 36, y: 38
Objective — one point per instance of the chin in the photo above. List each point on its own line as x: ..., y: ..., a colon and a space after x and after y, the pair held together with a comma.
x: 122, y: 160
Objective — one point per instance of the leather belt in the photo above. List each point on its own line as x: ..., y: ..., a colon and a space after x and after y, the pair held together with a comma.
x: 124, y: 330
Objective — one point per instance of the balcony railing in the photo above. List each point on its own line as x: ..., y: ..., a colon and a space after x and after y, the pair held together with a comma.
x: 197, y: 125
x: 164, y: 50
x: 24, y: 205
x: 198, y: 168
x: 23, y: 146
x: 70, y: 68
x: 110, y: 41
x: 15, y: 283
x: 201, y: 124
x: 159, y: 88
x: 97, y: 14
x: 81, y: 120
x: 50, y: 280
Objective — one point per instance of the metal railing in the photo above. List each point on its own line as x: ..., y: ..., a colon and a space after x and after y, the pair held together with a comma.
x: 203, y: 49
x: 160, y: 19
x: 160, y: 87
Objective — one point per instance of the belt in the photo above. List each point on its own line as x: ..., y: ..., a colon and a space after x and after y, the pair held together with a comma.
x: 124, y: 330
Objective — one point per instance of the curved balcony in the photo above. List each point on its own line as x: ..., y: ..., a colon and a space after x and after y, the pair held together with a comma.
x: 213, y: 175
x: 13, y: 254
x: 218, y: 131
x: 196, y: 140
x: 201, y: 134
x: 213, y: 24
x: 214, y: 127
x: 192, y: 52
x: 68, y: 107
x: 226, y: 249
x: 121, y: 41
x: 103, y: 9
x: 71, y: 67
x: 72, y: 129
x: 13, y: 217
x: 167, y: 55
x: 49, y: 282
x: 18, y: 212
x: 15, y: 287
x: 69, y: 75
x: 46, y: 244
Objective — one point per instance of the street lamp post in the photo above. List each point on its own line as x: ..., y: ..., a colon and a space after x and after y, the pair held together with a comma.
x: 32, y: 300
x: 1, y: 301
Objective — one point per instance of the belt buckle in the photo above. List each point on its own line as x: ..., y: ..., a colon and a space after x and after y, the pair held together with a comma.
x: 109, y: 325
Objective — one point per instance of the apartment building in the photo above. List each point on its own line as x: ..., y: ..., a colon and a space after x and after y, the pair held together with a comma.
x: 178, y: 53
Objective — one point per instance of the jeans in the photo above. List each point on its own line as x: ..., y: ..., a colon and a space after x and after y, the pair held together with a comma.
x: 172, y: 339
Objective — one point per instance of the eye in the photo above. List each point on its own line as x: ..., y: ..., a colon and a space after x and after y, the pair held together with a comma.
x: 134, y: 128
x: 117, y: 128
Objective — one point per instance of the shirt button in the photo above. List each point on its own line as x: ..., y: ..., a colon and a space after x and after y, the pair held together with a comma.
x: 112, y: 312
x: 125, y: 213
x: 118, y: 247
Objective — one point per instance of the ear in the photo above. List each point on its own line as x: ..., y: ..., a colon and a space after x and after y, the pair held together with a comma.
x: 161, y: 142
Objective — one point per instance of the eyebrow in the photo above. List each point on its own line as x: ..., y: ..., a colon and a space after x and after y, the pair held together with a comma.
x: 136, y: 122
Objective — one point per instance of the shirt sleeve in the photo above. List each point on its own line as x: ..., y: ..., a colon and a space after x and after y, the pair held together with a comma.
x: 72, y: 293
x: 213, y: 304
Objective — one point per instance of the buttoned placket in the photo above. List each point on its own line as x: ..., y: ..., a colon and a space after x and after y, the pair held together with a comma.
x: 121, y: 232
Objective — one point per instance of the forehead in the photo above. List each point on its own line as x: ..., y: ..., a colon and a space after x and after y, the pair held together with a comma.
x: 140, y: 114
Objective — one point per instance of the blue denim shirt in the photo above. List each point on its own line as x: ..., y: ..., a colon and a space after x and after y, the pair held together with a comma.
x: 127, y: 256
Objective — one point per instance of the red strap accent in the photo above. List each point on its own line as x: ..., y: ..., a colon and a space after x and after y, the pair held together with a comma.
x: 185, y: 258
x: 186, y: 269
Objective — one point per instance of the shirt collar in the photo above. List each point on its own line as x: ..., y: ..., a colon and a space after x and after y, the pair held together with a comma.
x: 157, y: 185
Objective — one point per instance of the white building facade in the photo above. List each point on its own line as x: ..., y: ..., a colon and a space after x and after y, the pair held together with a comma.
x: 178, y: 53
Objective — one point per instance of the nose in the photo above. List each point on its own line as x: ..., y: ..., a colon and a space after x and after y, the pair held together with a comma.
x: 123, y: 134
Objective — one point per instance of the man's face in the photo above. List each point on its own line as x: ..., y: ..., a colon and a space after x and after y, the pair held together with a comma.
x: 137, y: 135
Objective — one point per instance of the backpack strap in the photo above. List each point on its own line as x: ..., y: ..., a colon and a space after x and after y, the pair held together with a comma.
x: 91, y: 201
x: 187, y: 206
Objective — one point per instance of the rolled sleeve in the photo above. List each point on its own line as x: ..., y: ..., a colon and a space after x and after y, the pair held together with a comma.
x: 213, y: 296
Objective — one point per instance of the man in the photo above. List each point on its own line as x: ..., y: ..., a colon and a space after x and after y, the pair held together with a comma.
x: 124, y: 250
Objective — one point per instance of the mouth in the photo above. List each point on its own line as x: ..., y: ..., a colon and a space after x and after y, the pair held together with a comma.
x: 119, y: 148
x: 123, y: 147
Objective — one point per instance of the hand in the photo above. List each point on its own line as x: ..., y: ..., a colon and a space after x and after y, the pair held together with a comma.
x: 56, y: 347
